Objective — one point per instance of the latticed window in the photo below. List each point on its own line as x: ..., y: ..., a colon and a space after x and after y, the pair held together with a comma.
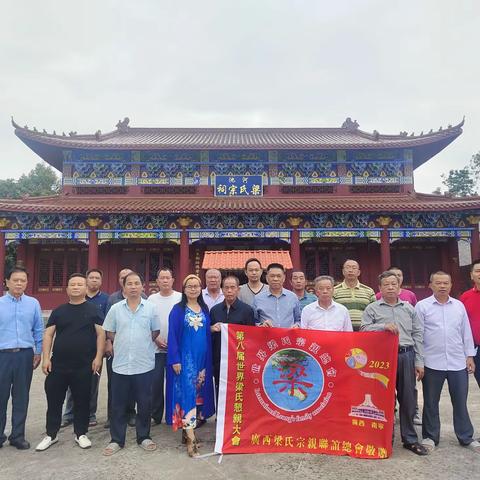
x: 146, y: 261
x: 326, y: 261
x: 55, y: 265
x: 417, y: 263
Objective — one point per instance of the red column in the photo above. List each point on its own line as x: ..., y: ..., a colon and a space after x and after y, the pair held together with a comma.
x: 295, y: 249
x: 92, y: 249
x: 475, y: 242
x: 384, y: 249
x: 2, y: 261
x: 184, y: 255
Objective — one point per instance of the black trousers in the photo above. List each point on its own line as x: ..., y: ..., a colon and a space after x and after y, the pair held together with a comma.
x: 123, y: 388
x: 68, y: 411
x: 158, y: 387
x: 476, y: 359
x: 406, y: 395
x: 458, y: 388
x: 216, y: 376
x: 131, y: 404
x: 56, y: 384
x: 16, y: 370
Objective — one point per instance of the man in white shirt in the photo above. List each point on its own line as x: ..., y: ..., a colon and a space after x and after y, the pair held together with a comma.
x: 448, y: 355
x: 325, y: 314
x: 212, y: 294
x: 164, y: 300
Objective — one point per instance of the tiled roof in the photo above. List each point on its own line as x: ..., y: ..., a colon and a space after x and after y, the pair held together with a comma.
x: 92, y: 205
x: 235, y: 259
x: 238, y: 138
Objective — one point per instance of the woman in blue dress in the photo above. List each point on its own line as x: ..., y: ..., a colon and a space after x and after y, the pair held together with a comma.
x: 189, y: 374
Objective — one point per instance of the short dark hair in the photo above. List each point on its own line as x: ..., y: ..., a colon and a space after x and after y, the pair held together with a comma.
x: 234, y: 277
x: 350, y: 260
x: 165, y: 269
x: 439, y: 272
x: 75, y: 275
x: 386, y: 274
x: 94, y: 270
x: 252, y: 259
x: 298, y: 271
x: 276, y: 265
x: 394, y: 267
x: 16, y: 270
x: 474, y: 262
x: 131, y: 274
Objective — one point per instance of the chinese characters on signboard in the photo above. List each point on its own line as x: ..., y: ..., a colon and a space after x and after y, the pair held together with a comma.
x: 238, y: 186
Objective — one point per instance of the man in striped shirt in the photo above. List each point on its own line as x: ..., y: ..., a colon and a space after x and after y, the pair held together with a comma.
x: 353, y: 294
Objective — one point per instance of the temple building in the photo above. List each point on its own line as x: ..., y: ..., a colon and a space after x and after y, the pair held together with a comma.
x: 193, y: 198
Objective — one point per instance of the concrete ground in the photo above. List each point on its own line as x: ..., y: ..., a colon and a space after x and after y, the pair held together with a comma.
x: 66, y: 461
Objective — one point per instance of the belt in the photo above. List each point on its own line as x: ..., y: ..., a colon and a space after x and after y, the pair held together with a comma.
x: 405, y: 349
x: 13, y: 350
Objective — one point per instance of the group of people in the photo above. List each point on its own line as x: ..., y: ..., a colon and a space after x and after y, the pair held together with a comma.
x: 178, y: 333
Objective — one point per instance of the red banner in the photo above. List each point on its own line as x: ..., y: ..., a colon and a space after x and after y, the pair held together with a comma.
x: 293, y: 390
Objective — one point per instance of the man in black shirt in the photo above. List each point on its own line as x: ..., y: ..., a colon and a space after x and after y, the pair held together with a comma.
x: 78, y: 350
x: 231, y: 310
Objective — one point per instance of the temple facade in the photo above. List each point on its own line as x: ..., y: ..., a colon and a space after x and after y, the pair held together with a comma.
x: 196, y: 198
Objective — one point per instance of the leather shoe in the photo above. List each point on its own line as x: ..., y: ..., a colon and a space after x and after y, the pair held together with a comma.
x: 20, y: 444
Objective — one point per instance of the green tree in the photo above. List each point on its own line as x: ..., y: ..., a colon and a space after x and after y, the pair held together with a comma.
x: 465, y: 181
x: 42, y: 180
x: 460, y: 183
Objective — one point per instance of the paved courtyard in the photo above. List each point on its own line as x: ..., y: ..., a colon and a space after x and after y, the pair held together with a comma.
x: 66, y: 461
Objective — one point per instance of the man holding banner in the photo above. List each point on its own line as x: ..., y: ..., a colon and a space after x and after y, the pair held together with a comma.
x: 292, y: 390
x: 231, y: 310
x: 399, y: 318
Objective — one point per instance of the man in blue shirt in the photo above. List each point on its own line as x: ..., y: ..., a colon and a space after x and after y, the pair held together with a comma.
x: 100, y: 299
x: 21, y: 328
x: 299, y: 282
x: 132, y: 325
x: 114, y: 298
x: 277, y: 306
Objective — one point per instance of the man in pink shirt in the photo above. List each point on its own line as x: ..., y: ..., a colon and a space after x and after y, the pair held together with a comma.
x: 471, y: 301
x: 405, y: 295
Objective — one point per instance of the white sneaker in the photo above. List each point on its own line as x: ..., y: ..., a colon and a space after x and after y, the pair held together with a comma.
x: 46, y: 443
x: 83, y: 441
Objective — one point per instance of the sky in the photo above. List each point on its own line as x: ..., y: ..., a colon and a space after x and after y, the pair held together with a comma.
x: 407, y: 65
